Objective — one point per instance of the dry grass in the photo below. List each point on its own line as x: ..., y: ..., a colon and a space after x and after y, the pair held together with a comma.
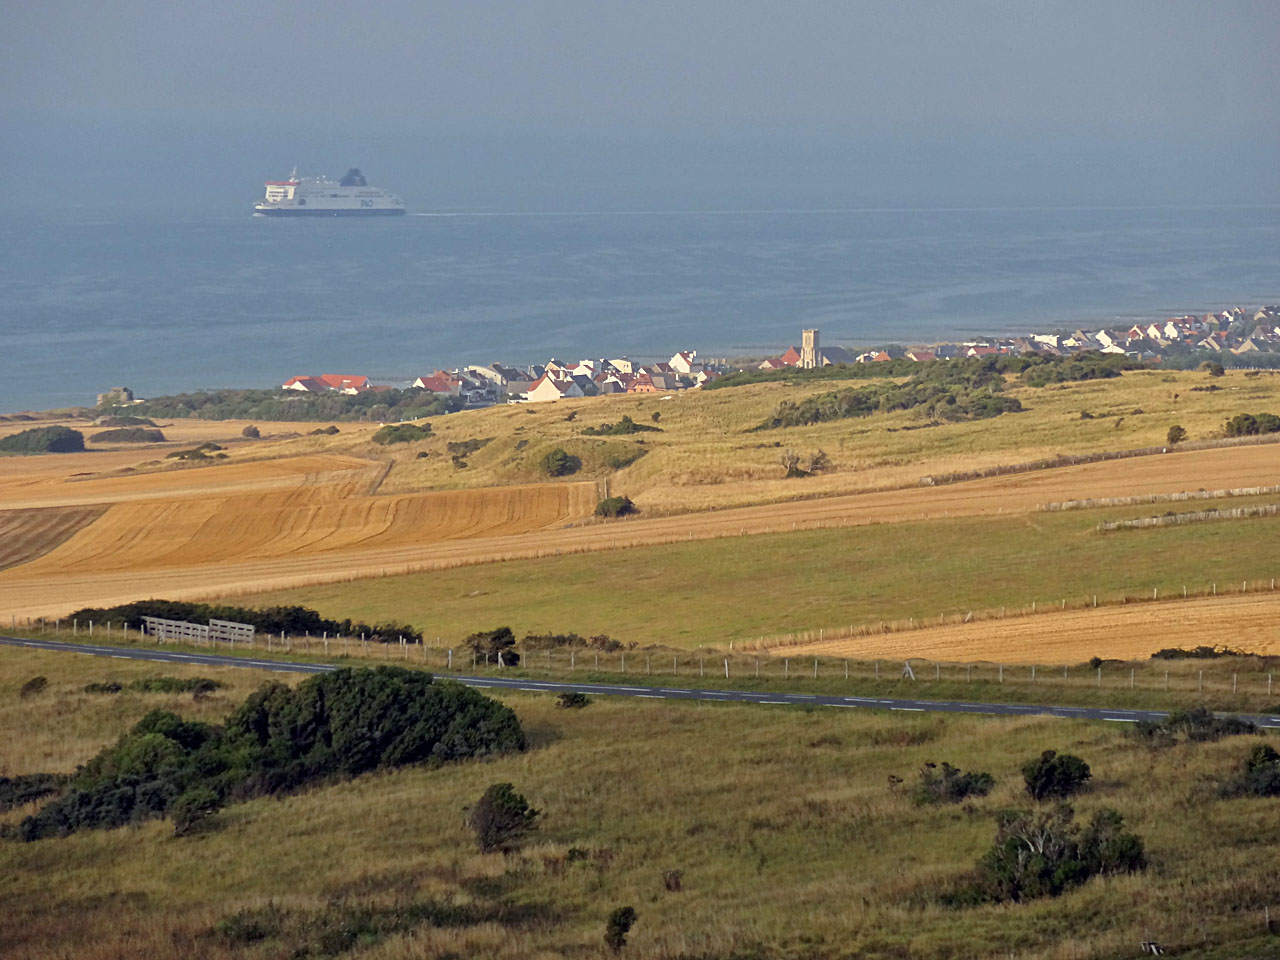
x: 791, y: 842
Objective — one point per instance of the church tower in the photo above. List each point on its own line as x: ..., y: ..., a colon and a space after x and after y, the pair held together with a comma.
x: 809, y: 356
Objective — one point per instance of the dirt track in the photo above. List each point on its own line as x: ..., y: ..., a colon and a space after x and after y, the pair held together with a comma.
x: 111, y: 561
x: 1249, y: 622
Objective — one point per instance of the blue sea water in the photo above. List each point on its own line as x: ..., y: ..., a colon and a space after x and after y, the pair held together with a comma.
x: 164, y: 303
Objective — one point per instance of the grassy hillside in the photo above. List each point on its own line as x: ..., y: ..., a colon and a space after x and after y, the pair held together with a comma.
x: 791, y: 840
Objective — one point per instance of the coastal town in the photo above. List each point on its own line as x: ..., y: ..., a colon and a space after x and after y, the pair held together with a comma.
x: 1236, y: 335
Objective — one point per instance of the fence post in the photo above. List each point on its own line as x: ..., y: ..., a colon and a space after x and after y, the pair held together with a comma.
x: 75, y: 627
x: 673, y: 666
x: 786, y: 667
x: 624, y: 662
x: 815, y: 668
x: 726, y: 668
x: 572, y: 659
x: 1131, y: 672
x: 846, y: 669
x: 877, y: 669
x: 1200, y: 683
x: 1033, y: 673
x: 1234, y: 678
x: 451, y: 658
x: 1002, y: 673
x: 91, y: 628
x: 1099, y: 676
x: 702, y: 664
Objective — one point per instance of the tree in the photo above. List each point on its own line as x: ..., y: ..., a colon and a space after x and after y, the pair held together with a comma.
x: 1055, y: 776
x: 1176, y: 434
x: 500, y: 818
x: 791, y: 461
x: 618, y: 926
x: 251, y: 432
x: 497, y: 646
x: 1213, y: 368
x: 558, y: 463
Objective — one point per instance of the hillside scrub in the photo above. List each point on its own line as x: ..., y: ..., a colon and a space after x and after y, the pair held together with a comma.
x: 615, y: 507
x: 1252, y: 424
x: 43, y: 440
x: 1197, y: 725
x: 558, y: 463
x: 956, y: 391
x: 128, y: 435
x: 949, y: 784
x: 500, y: 818
x: 370, y: 406
x: 336, y: 725
x: 1259, y: 775
x: 624, y: 426
x: 292, y: 620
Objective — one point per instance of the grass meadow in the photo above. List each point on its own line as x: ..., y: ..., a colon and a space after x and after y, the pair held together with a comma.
x: 790, y: 837
x: 711, y: 592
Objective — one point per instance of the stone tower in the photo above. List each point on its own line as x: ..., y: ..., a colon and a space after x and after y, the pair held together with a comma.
x: 809, y: 356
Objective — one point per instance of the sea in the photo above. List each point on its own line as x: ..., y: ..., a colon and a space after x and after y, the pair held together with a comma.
x: 166, y: 302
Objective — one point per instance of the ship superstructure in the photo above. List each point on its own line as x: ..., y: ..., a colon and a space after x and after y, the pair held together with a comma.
x: 321, y: 197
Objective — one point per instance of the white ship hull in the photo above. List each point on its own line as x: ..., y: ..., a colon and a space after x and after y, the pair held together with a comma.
x: 320, y: 197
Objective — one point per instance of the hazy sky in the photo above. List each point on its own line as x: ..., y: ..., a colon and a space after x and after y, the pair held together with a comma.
x: 1176, y: 100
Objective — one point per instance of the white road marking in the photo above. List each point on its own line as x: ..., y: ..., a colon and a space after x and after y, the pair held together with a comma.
x: 915, y: 709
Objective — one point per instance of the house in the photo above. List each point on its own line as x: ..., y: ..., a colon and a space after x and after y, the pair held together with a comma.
x: 612, y: 383
x: 643, y: 383
x: 623, y: 365
x: 830, y: 356
x: 547, y: 389
x: 328, y: 381
x: 791, y: 358
x: 686, y: 362
x: 981, y: 350
x: 921, y: 356
x: 439, y: 383
x: 704, y: 376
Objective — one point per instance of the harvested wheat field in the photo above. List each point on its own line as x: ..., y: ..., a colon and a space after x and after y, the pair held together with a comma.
x: 1130, y: 632
x: 187, y: 548
x: 27, y: 534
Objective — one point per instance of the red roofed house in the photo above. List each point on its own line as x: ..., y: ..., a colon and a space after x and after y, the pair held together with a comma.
x: 643, y: 383
x: 791, y: 358
x: 328, y: 381
x: 440, y: 383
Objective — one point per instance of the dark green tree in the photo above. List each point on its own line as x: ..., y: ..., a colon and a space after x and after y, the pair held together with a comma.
x: 500, y: 818
x: 1055, y: 776
x: 558, y: 463
x: 617, y: 927
x: 1176, y: 434
x: 495, y: 646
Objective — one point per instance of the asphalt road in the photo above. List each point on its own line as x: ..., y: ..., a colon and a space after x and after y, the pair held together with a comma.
x: 645, y: 692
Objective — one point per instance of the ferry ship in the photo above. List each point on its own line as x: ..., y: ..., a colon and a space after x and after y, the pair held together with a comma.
x: 321, y: 197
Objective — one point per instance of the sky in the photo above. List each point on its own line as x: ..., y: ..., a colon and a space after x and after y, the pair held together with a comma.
x: 575, y: 103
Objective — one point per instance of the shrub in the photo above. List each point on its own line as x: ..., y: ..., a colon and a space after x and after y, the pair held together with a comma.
x: 558, y: 463
x: 617, y: 927
x: 950, y: 785
x: 109, y: 686
x: 1043, y: 855
x: 1053, y: 775
x: 338, y: 724
x: 1213, y: 368
x: 615, y: 507
x: 1197, y: 725
x: 572, y: 700
x: 324, y: 431
x: 500, y: 818
x: 33, y: 687
x: 464, y: 448
x: 622, y: 427
x: 128, y: 435
x: 27, y: 788
x: 175, y: 685
x: 43, y: 440
x: 192, y: 809
x: 402, y: 433
x: 497, y: 646
x: 1176, y: 434
x: 1202, y: 652
x: 251, y: 432
x: 124, y: 422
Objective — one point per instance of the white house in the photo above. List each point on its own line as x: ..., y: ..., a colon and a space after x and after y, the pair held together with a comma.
x: 546, y: 389
x: 686, y: 362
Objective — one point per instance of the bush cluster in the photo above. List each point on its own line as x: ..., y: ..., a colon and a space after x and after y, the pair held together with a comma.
x: 128, y: 435
x: 551, y: 641
x: 615, y: 507
x: 624, y: 426
x: 1251, y: 424
x: 370, y: 406
x: 43, y: 440
x: 949, y: 784
x: 1197, y: 725
x: 558, y: 463
x: 294, y: 621
x: 21, y: 790
x: 124, y: 422
x: 401, y: 433
x: 1202, y: 652
x: 197, y: 685
x: 500, y: 817
x: 1042, y: 855
x: 960, y: 390
x: 339, y: 724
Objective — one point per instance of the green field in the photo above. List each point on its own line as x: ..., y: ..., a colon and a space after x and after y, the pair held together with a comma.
x: 791, y: 840
x: 712, y: 591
